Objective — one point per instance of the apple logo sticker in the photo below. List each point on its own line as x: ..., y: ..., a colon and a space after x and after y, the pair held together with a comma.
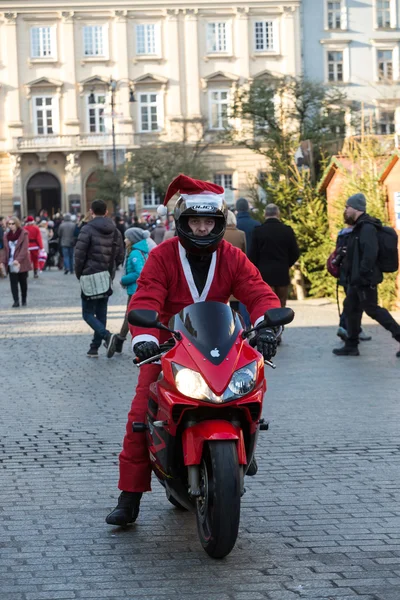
x: 215, y: 353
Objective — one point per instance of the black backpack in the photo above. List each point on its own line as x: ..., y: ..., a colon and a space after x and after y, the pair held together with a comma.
x: 388, y: 257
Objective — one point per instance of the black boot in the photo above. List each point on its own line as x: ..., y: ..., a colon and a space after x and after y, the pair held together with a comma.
x: 253, y: 468
x: 127, y: 509
x: 119, y: 344
x: 346, y: 351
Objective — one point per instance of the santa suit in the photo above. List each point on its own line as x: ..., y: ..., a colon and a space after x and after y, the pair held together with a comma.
x: 166, y: 285
x: 35, y: 243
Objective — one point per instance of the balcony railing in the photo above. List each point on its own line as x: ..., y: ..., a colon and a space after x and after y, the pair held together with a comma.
x: 85, y: 141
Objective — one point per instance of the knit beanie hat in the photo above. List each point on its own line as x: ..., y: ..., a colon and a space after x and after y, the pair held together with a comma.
x: 136, y: 234
x: 242, y: 204
x: 358, y: 202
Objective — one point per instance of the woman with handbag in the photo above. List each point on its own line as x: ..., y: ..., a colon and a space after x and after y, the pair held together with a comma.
x: 17, y: 259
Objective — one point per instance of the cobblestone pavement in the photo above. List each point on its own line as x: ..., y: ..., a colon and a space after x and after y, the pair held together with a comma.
x: 320, y: 521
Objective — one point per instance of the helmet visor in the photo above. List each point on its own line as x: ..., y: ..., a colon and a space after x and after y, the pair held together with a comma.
x: 203, y: 204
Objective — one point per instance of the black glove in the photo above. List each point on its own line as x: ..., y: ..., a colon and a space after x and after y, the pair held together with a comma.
x: 266, y: 343
x: 144, y: 350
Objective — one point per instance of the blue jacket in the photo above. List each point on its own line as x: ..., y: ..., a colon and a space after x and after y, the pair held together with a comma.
x: 247, y: 224
x: 134, y: 265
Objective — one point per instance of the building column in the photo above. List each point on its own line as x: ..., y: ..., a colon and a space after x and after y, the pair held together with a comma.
x: 69, y: 115
x: 13, y: 110
x: 73, y: 183
x: 17, y: 201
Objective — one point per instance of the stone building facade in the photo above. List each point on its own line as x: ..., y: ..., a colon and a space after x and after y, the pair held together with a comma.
x: 181, y: 60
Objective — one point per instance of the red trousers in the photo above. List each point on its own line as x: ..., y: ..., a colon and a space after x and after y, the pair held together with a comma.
x: 34, y: 259
x: 134, y: 461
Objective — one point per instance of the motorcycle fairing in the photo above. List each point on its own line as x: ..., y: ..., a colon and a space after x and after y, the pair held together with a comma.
x: 194, y: 437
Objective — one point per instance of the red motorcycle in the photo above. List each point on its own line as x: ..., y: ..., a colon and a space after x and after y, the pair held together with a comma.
x: 204, y: 413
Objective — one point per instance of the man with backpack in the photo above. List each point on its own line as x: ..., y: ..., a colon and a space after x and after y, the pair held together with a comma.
x: 371, y: 250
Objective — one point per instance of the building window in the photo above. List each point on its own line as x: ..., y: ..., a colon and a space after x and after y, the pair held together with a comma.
x: 149, y: 107
x: 147, y: 39
x: 149, y: 196
x: 96, y: 114
x: 386, y: 124
x: 335, y: 66
x: 334, y: 15
x: 218, y: 111
x: 43, y: 42
x: 385, y: 65
x: 264, y: 36
x: 94, y: 41
x: 224, y: 179
x: 383, y: 14
x: 217, y: 37
x: 44, y: 115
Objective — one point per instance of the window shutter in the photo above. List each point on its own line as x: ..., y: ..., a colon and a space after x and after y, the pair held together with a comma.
x: 157, y: 39
x: 53, y: 41
x: 393, y: 14
x: 34, y: 52
x: 228, y: 37
x: 105, y: 40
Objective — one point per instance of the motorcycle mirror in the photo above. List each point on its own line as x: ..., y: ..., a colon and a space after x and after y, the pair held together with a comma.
x: 149, y: 319
x: 144, y: 318
x: 275, y: 317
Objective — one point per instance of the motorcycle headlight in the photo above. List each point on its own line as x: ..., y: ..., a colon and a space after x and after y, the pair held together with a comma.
x: 191, y: 383
x: 243, y: 380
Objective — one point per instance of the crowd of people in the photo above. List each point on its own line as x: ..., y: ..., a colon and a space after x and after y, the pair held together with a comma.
x: 203, y: 252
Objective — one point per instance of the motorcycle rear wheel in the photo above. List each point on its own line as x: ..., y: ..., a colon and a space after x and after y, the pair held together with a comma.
x: 218, y: 508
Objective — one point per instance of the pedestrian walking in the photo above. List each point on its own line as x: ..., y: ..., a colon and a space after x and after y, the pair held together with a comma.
x: 35, y: 243
x: 335, y: 267
x: 2, y: 250
x: 66, y: 240
x: 17, y: 259
x: 363, y: 275
x: 237, y: 238
x: 98, y: 251
x: 137, y: 250
x: 46, y: 235
x: 158, y: 232
x: 274, y: 250
x: 245, y: 221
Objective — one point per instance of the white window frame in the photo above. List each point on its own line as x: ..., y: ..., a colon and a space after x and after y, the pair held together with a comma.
x: 337, y: 47
x: 149, y: 49
x: 54, y: 114
x: 213, y: 46
x: 226, y: 181
x: 219, y: 102
x: 274, y: 48
x: 393, y: 16
x: 103, y: 54
x: 48, y: 31
x: 335, y: 63
x: 394, y: 48
x: 154, y: 199
x: 343, y: 16
x: 157, y: 103
x: 100, y: 119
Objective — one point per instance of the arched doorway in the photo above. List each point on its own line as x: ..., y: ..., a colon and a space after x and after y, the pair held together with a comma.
x: 44, y: 192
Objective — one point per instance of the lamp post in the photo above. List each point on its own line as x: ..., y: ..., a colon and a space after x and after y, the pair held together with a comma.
x: 113, y: 86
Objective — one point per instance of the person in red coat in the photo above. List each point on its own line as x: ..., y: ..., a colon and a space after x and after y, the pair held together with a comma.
x: 197, y: 265
x: 35, y: 243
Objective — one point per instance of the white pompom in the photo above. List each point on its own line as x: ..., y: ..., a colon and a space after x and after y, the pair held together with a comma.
x: 162, y: 210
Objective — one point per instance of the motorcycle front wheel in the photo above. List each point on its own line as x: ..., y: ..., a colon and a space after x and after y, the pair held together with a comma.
x: 218, y: 507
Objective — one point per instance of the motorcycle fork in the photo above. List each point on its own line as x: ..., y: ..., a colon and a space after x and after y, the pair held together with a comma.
x: 194, y: 480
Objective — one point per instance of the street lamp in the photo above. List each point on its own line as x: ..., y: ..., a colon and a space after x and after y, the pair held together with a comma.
x: 113, y: 86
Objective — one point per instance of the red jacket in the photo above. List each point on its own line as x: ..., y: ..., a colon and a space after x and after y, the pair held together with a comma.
x: 35, y: 237
x: 21, y: 253
x: 166, y: 285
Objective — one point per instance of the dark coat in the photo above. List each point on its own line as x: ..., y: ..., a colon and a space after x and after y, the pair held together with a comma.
x: 96, y: 243
x: 274, y: 250
x: 246, y: 223
x: 21, y: 253
x: 361, y: 264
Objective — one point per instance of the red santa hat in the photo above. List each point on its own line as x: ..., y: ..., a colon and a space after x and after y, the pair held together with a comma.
x: 30, y: 219
x: 188, y: 187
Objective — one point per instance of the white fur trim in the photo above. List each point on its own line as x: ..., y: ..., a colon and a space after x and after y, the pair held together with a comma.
x: 144, y: 337
x: 187, y: 271
x: 162, y: 210
x: 203, y: 197
x: 259, y: 321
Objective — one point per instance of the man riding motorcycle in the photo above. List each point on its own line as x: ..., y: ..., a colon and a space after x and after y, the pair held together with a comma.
x: 195, y: 266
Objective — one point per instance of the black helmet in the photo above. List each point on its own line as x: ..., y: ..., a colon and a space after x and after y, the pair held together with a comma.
x: 197, y: 199
x: 212, y: 206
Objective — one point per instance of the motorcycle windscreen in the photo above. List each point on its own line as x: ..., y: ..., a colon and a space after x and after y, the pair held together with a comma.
x: 212, y: 327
